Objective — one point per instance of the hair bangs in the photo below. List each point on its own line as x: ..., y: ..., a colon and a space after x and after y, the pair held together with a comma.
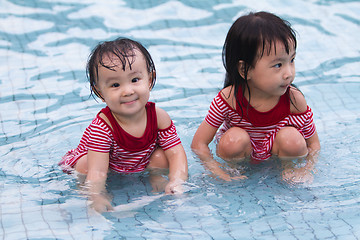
x: 117, y: 53
x: 271, y: 30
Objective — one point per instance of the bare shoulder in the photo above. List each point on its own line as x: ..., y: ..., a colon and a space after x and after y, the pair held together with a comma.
x: 228, y: 95
x: 163, y: 118
x: 298, y: 101
x: 105, y: 118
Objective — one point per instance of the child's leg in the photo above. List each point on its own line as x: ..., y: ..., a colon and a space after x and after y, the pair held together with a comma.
x: 234, y: 145
x: 290, y: 147
x: 289, y: 143
x: 158, y: 160
x: 157, y: 167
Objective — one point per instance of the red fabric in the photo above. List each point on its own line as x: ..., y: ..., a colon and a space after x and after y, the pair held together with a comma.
x: 261, y: 119
x: 100, y: 137
x: 262, y: 137
x: 129, y: 142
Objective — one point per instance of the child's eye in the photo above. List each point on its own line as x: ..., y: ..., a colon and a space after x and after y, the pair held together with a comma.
x: 278, y: 65
x: 134, y: 80
x: 115, y: 85
x: 293, y: 60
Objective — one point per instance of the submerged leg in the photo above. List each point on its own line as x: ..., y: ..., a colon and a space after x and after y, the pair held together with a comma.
x: 290, y: 146
x: 157, y: 167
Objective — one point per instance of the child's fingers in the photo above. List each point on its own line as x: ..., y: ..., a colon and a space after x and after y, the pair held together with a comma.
x: 101, y: 203
x: 227, y: 177
x: 242, y: 177
x: 174, y: 188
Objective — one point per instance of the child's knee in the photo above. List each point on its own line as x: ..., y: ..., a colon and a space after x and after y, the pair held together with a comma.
x: 158, y: 159
x: 234, y: 144
x: 289, y: 142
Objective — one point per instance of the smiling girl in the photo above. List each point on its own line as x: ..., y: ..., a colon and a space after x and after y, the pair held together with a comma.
x: 130, y: 134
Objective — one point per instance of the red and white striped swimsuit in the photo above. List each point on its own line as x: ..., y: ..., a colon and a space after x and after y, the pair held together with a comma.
x: 261, y: 126
x: 127, y: 154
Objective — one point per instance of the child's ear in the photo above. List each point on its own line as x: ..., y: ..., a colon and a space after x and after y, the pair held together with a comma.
x: 153, y: 75
x: 152, y: 79
x: 241, y: 68
x: 97, y: 93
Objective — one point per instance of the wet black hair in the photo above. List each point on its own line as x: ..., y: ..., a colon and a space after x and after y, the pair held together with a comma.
x: 247, y: 40
x: 123, y: 49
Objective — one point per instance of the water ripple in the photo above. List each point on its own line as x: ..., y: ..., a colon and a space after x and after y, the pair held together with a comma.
x: 45, y: 107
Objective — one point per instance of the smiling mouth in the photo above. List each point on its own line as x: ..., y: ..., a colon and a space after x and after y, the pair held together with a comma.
x: 129, y: 102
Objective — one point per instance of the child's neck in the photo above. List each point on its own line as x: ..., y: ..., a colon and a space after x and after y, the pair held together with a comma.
x: 260, y: 101
x: 134, y: 125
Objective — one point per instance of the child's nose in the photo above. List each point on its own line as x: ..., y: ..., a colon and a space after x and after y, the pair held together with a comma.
x: 289, y: 71
x: 127, y: 90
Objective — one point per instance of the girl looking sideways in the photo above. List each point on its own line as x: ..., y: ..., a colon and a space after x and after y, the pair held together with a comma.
x: 259, y: 112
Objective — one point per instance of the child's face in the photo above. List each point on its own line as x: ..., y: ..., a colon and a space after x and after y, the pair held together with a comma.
x: 125, y: 92
x: 273, y: 73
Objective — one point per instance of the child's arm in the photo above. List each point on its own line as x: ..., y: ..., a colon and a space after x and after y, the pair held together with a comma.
x: 202, y: 138
x: 313, y: 144
x: 299, y: 106
x: 200, y: 146
x: 98, y: 165
x: 305, y: 173
x: 178, y: 167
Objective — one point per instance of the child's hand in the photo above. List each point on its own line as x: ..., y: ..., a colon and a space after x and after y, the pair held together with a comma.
x: 100, y: 203
x: 297, y: 176
x: 174, y: 187
x: 158, y: 183
x: 226, y: 177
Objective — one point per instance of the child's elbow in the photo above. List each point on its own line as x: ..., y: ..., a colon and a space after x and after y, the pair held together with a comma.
x: 198, y: 147
x: 194, y: 146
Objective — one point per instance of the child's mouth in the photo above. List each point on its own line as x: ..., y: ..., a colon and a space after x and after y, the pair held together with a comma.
x: 129, y: 102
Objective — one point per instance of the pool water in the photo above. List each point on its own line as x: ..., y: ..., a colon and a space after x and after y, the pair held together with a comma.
x: 45, y: 107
